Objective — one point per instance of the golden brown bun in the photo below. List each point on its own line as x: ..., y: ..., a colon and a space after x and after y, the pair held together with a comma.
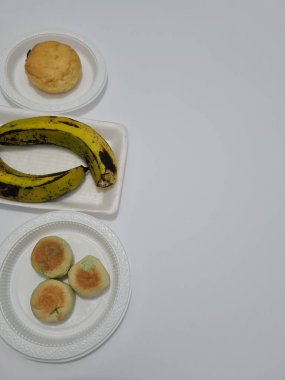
x: 88, y: 277
x: 52, y: 256
x: 53, y: 67
x: 52, y: 301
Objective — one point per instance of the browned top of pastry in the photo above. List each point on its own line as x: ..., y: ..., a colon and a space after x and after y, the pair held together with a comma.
x: 48, y: 254
x: 53, y: 66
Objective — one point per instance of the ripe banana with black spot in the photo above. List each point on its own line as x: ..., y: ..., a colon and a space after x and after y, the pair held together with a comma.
x: 68, y: 133
x: 23, y: 187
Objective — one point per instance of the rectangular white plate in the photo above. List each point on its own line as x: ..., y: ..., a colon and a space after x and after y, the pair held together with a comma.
x: 42, y: 159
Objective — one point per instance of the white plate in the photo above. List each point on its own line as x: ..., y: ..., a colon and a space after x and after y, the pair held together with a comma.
x: 43, y: 159
x: 18, y: 89
x: 92, y: 321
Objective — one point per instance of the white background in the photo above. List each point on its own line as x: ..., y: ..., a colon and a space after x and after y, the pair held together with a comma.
x: 200, y: 87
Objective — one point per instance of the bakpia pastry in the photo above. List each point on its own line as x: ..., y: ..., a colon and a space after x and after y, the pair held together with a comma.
x: 52, y: 301
x: 52, y: 257
x: 53, y: 67
x: 88, y: 277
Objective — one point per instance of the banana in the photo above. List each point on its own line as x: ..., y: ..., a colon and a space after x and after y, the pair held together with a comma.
x: 68, y: 133
x: 23, y: 187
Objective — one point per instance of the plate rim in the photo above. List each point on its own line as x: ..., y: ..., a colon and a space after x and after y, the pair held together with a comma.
x: 22, y: 102
x: 14, y: 341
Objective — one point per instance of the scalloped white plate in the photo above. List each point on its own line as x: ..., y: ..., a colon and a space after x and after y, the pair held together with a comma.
x: 18, y: 89
x: 92, y: 322
x: 42, y: 159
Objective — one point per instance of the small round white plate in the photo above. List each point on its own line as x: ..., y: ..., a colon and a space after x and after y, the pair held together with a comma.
x: 92, y: 321
x: 17, y: 88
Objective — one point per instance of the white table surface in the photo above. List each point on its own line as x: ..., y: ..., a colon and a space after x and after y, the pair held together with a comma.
x: 200, y: 87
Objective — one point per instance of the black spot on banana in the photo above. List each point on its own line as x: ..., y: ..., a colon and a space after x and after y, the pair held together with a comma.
x: 68, y: 133
x: 24, y: 187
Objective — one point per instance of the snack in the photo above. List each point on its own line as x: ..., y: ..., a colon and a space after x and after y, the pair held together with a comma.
x: 89, y: 278
x: 52, y: 256
x: 53, y: 67
x: 23, y: 187
x: 52, y: 301
x: 68, y: 133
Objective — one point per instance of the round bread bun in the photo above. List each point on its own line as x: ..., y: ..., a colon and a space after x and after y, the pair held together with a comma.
x: 52, y: 256
x: 89, y: 278
x: 52, y: 301
x: 53, y: 67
